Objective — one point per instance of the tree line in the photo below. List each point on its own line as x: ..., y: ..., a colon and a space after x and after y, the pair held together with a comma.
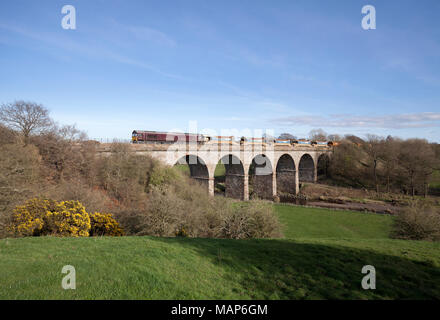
x: 388, y: 164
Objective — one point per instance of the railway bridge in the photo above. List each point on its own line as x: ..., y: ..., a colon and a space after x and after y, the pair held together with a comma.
x: 268, y: 169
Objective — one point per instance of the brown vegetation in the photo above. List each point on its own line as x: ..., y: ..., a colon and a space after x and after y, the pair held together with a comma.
x: 385, y: 165
x: 418, y: 222
x: 145, y: 197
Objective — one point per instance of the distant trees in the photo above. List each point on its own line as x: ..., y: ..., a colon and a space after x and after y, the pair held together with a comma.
x: 417, y: 159
x: 26, y: 117
x: 334, y: 137
x: 318, y: 135
x: 393, y: 164
x: 286, y: 136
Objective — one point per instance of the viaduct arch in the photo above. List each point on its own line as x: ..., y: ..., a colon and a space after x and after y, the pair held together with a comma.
x: 263, y: 171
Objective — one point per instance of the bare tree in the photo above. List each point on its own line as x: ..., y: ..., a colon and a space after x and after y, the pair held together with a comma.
x: 6, y: 135
x: 334, y: 137
x: 286, y: 136
x: 417, y: 158
x: 27, y: 117
x: 373, y: 149
x: 318, y: 135
x: 61, y: 149
x: 389, y: 155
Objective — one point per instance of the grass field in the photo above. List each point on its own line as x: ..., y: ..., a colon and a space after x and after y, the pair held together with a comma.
x: 220, y: 169
x: 435, y: 180
x: 321, y: 257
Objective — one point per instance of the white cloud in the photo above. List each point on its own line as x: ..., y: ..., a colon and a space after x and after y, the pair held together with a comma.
x: 393, y: 121
x: 88, y: 50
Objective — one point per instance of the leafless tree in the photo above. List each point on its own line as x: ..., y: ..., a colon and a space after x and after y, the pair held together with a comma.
x: 389, y: 155
x: 417, y: 158
x: 318, y: 135
x: 26, y: 117
x: 374, y: 151
x: 62, y: 150
x: 286, y: 136
x: 334, y: 137
x: 6, y: 135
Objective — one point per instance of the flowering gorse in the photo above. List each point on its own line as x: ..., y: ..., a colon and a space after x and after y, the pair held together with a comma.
x: 39, y: 217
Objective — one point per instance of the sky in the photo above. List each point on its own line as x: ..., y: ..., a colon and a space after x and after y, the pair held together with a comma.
x: 239, y: 67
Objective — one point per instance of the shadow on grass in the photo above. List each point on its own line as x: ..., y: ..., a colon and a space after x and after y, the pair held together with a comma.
x: 285, y: 269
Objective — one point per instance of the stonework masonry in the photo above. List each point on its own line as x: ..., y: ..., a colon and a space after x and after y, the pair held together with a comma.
x: 264, y: 170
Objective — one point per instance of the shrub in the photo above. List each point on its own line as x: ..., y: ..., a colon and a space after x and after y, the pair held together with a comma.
x: 19, y: 175
x: 94, y: 199
x: 191, y: 212
x: 39, y: 217
x: 69, y: 218
x: 28, y: 220
x: 163, y: 176
x: 47, y: 217
x: 417, y: 222
x: 103, y: 224
x: 255, y: 219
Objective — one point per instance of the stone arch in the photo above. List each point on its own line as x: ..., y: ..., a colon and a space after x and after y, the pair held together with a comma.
x: 261, y: 177
x: 286, y: 171
x: 322, y: 166
x: 197, y: 169
x: 234, y: 176
x: 306, y: 168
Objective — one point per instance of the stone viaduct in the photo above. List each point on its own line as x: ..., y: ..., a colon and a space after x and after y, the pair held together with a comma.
x: 269, y: 169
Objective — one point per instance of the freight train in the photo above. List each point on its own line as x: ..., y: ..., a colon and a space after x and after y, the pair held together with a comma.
x: 139, y: 136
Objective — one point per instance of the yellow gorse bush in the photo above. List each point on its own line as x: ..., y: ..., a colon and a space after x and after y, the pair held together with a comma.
x: 68, y: 219
x: 39, y: 217
x: 104, y: 224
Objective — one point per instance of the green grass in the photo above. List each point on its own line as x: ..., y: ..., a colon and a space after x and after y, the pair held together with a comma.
x: 435, y: 180
x: 303, y: 222
x: 321, y: 257
x: 184, y: 168
x: 220, y: 170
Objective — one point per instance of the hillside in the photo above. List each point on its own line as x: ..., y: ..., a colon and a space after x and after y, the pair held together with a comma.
x: 321, y: 257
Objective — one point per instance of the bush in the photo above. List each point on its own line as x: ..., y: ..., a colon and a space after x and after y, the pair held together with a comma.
x: 47, y: 217
x: 19, y: 175
x: 103, y: 224
x: 69, y: 218
x: 255, y: 219
x: 94, y: 199
x: 417, y: 222
x: 190, y: 212
x: 39, y: 217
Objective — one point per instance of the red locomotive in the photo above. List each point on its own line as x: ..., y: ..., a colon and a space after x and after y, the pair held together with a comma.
x: 139, y: 136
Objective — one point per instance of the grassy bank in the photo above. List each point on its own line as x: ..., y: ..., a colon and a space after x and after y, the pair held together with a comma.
x: 321, y: 257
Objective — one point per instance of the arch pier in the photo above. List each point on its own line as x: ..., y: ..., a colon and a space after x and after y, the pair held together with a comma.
x: 263, y: 173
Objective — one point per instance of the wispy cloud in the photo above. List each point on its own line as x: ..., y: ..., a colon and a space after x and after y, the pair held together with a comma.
x: 394, y: 121
x: 151, y: 35
x: 88, y: 50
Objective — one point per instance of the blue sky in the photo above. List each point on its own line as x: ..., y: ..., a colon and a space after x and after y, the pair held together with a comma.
x: 286, y: 66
